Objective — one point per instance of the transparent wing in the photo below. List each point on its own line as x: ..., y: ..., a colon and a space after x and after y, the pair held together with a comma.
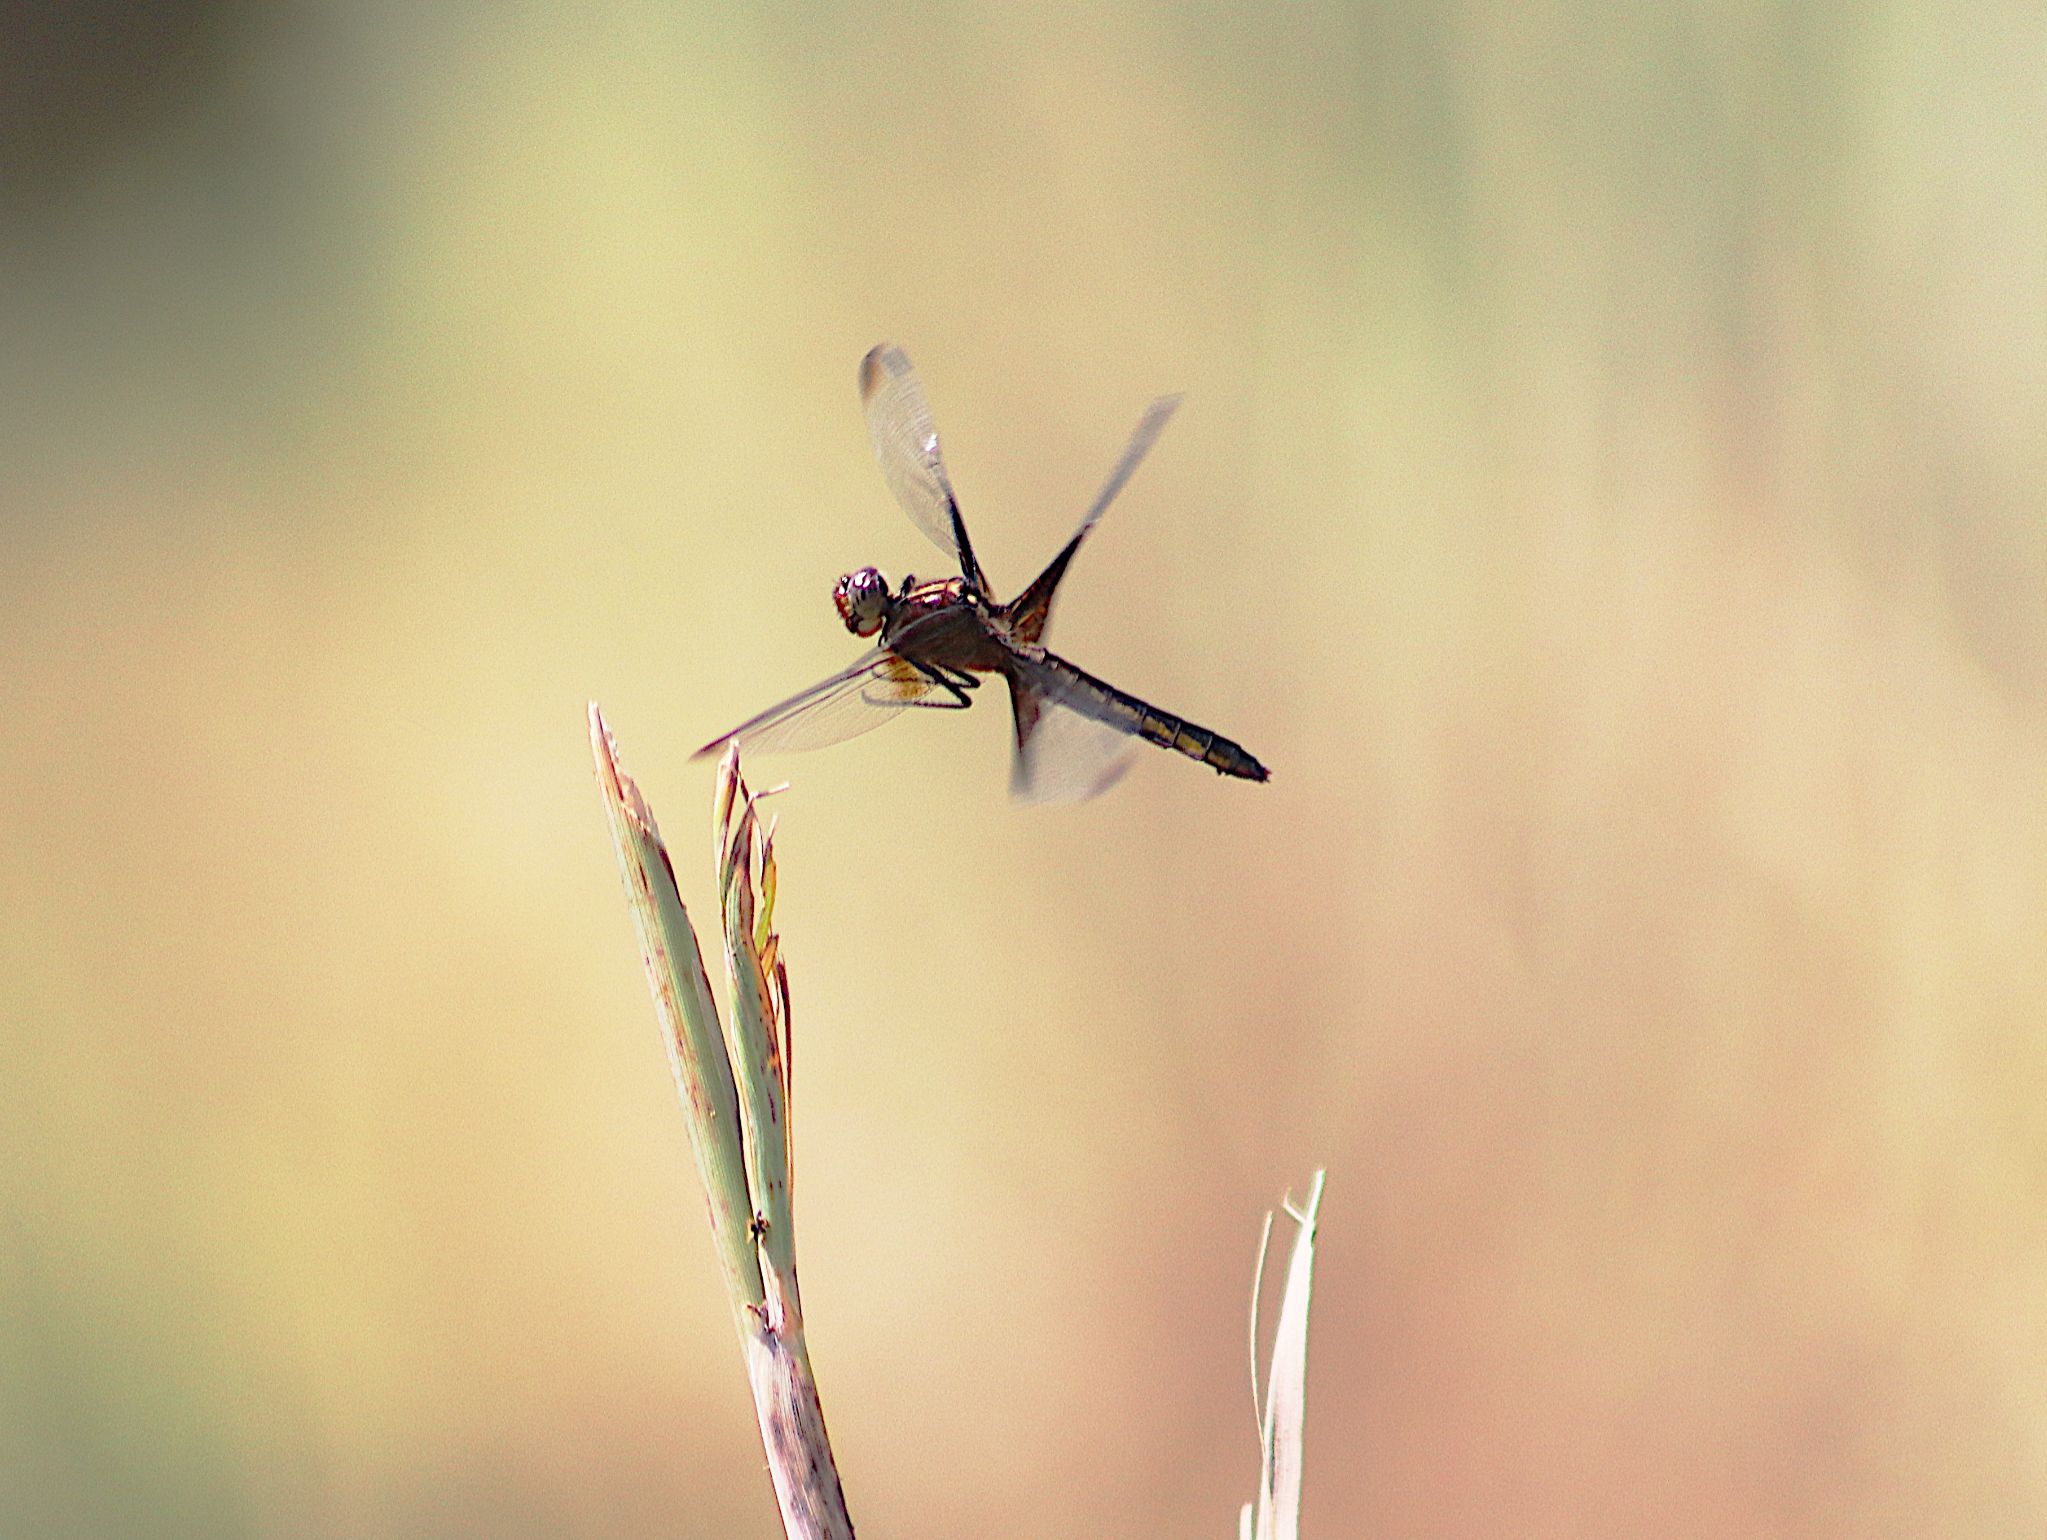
x: 1074, y: 739
x: 855, y: 700
x: 1031, y: 610
x: 1142, y: 438
x: 906, y: 443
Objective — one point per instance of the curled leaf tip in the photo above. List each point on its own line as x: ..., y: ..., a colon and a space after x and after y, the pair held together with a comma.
x: 730, y: 788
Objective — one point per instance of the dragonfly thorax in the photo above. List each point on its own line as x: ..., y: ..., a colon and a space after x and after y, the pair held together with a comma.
x: 862, y: 598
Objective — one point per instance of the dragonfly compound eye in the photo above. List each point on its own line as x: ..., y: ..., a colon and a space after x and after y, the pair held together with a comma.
x: 862, y: 598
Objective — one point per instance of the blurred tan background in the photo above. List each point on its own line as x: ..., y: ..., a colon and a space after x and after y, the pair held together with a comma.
x: 1609, y: 496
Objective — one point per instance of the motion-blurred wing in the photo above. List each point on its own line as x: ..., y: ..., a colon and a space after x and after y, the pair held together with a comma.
x: 1073, y: 740
x: 906, y: 443
x: 853, y: 701
x: 1141, y: 439
x: 1032, y: 609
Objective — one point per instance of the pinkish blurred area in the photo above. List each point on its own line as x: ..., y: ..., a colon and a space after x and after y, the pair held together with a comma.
x: 1609, y: 496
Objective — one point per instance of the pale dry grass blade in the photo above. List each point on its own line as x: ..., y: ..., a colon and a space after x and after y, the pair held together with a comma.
x: 1276, y: 1515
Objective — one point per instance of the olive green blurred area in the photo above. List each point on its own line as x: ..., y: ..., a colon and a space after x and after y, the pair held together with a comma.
x: 1609, y: 496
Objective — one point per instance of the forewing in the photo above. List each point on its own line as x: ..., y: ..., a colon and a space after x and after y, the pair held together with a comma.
x: 1072, y: 740
x: 1141, y: 439
x: 1031, y: 610
x: 855, y: 700
x: 906, y: 443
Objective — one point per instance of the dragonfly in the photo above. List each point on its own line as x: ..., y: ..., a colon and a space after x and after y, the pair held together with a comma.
x: 936, y: 642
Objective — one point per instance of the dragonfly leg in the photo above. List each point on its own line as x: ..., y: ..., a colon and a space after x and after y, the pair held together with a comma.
x: 956, y: 682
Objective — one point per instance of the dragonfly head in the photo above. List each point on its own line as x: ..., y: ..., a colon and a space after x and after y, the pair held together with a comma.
x: 862, y: 598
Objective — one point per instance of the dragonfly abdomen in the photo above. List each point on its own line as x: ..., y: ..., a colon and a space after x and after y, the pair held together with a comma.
x: 1221, y: 754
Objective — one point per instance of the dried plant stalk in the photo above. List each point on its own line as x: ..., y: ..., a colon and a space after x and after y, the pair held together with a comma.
x: 1276, y: 1515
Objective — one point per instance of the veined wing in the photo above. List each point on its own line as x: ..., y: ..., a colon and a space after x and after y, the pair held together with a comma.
x: 906, y: 443
x: 1074, y: 739
x: 855, y: 700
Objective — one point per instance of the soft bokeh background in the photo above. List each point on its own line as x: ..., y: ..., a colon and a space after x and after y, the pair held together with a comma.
x: 1609, y: 495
